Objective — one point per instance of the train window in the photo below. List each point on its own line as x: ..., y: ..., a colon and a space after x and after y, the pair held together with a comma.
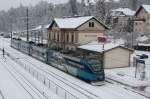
x: 74, y: 63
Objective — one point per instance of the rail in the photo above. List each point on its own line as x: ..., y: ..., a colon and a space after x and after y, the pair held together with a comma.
x: 45, y: 81
x: 1, y: 94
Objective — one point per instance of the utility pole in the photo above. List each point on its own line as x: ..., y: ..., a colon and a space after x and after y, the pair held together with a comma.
x: 11, y: 31
x: 88, y: 7
x: 42, y: 33
x: 27, y: 21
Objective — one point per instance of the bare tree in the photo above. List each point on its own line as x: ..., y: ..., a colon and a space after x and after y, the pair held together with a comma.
x: 100, y: 9
x: 134, y: 4
x: 73, y: 7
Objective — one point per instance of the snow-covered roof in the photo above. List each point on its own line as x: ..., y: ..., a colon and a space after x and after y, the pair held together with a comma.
x: 72, y: 23
x: 125, y: 11
x: 47, y: 26
x: 98, y: 47
x: 40, y: 27
x: 147, y: 8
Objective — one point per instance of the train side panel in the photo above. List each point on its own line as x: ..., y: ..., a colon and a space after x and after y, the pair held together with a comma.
x: 73, y: 66
x: 38, y: 53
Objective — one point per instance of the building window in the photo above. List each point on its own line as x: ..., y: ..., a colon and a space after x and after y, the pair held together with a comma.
x: 147, y: 18
x: 121, y: 23
x: 91, y: 24
x: 58, y: 37
x: 54, y: 36
x: 115, y: 20
x: 72, y: 38
x: 67, y: 37
x: 147, y: 24
x: 55, y: 25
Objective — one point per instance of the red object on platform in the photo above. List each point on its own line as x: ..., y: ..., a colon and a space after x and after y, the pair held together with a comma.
x: 102, y: 39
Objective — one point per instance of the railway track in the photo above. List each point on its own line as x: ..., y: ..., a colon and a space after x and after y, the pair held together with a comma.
x: 74, y: 86
x: 23, y: 82
x: 65, y: 81
x: 1, y: 95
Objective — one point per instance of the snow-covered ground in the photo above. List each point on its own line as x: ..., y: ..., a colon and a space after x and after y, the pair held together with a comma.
x: 16, y: 83
x: 126, y: 75
x: 60, y: 83
x: 9, y: 86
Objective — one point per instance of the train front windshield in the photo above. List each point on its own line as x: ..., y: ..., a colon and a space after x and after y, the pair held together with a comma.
x: 95, y: 61
x: 93, y: 58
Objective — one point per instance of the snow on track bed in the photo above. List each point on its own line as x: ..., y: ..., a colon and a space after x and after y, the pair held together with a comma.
x: 1, y: 95
x: 76, y: 87
x: 108, y: 91
x: 106, y: 88
x: 27, y: 84
x: 18, y: 90
x: 76, y: 90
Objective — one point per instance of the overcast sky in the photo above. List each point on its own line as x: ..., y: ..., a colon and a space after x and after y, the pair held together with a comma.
x: 6, y: 4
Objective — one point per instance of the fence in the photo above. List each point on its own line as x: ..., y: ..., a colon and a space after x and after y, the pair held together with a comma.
x: 61, y: 92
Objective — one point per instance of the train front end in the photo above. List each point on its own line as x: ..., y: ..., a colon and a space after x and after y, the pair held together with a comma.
x: 94, y: 69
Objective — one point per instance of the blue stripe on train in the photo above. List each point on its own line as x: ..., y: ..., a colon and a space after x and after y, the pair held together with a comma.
x: 90, y: 76
x: 86, y: 75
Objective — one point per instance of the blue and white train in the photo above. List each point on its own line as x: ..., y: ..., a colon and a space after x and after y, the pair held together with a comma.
x: 89, y: 69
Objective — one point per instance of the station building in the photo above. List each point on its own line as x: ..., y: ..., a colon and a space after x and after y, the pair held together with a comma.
x: 69, y: 33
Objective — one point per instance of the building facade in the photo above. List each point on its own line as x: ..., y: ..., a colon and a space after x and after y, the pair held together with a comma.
x: 121, y: 16
x: 143, y: 13
x: 69, y: 33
